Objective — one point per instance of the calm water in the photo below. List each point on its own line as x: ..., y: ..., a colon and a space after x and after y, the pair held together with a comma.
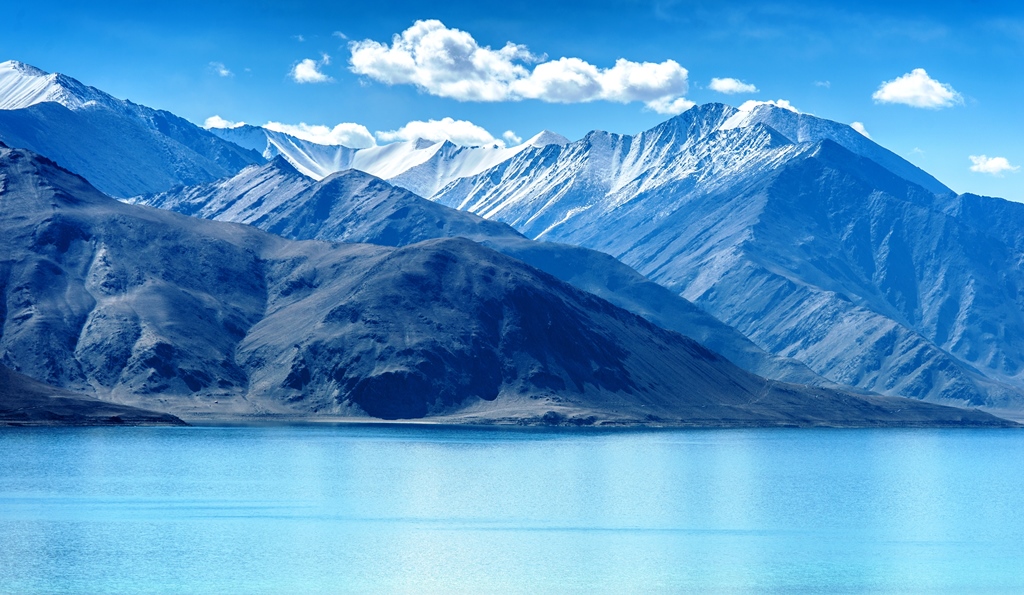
x: 383, y: 509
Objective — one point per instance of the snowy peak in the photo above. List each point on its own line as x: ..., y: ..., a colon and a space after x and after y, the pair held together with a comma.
x: 545, y: 138
x: 23, y: 85
x: 806, y: 128
x: 696, y: 122
x: 124, y: 149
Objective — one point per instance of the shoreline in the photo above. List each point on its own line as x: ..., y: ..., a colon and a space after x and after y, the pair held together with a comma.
x: 510, y: 424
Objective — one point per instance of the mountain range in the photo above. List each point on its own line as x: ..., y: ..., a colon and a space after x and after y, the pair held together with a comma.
x: 352, y: 206
x: 873, y: 275
x: 153, y: 309
x: 794, y: 246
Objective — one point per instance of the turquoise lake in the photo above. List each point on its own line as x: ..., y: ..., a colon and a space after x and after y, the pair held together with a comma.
x: 384, y: 509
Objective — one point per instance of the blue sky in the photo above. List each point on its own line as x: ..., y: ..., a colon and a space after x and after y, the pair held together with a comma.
x: 825, y: 58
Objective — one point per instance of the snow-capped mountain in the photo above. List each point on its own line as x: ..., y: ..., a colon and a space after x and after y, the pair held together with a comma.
x: 802, y: 128
x: 420, y: 166
x: 123, y: 148
x: 151, y: 307
x: 801, y: 233
x: 356, y: 207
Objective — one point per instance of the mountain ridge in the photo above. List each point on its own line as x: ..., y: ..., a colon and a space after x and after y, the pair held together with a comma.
x: 122, y: 147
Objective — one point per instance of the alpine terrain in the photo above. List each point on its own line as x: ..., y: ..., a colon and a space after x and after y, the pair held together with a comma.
x: 142, y: 306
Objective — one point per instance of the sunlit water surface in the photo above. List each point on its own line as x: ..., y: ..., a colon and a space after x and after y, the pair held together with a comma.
x: 326, y: 509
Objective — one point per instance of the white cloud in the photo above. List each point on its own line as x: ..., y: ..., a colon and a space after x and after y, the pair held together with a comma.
x: 917, y: 89
x: 511, y: 138
x: 339, y: 35
x: 308, y: 71
x: 643, y: 81
x: 730, y: 86
x: 219, y: 122
x: 823, y: 84
x: 450, y: 63
x: 995, y: 166
x: 460, y: 132
x: 351, y: 135
x: 859, y: 127
x: 748, y: 106
x: 670, y: 107
x: 219, y: 69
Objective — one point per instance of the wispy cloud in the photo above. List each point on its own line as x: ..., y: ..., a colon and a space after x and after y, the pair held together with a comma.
x: 448, y: 62
x: 219, y: 122
x: 348, y: 134
x: 859, y: 127
x: 670, y: 106
x: 219, y: 69
x: 351, y: 135
x: 823, y: 84
x: 308, y: 71
x: 917, y: 89
x: 995, y: 166
x: 357, y: 136
x: 748, y: 106
x: 731, y: 86
x: 460, y: 132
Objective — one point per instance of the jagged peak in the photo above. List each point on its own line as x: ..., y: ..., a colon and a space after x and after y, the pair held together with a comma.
x: 696, y: 122
x: 22, y: 67
x: 704, y: 111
